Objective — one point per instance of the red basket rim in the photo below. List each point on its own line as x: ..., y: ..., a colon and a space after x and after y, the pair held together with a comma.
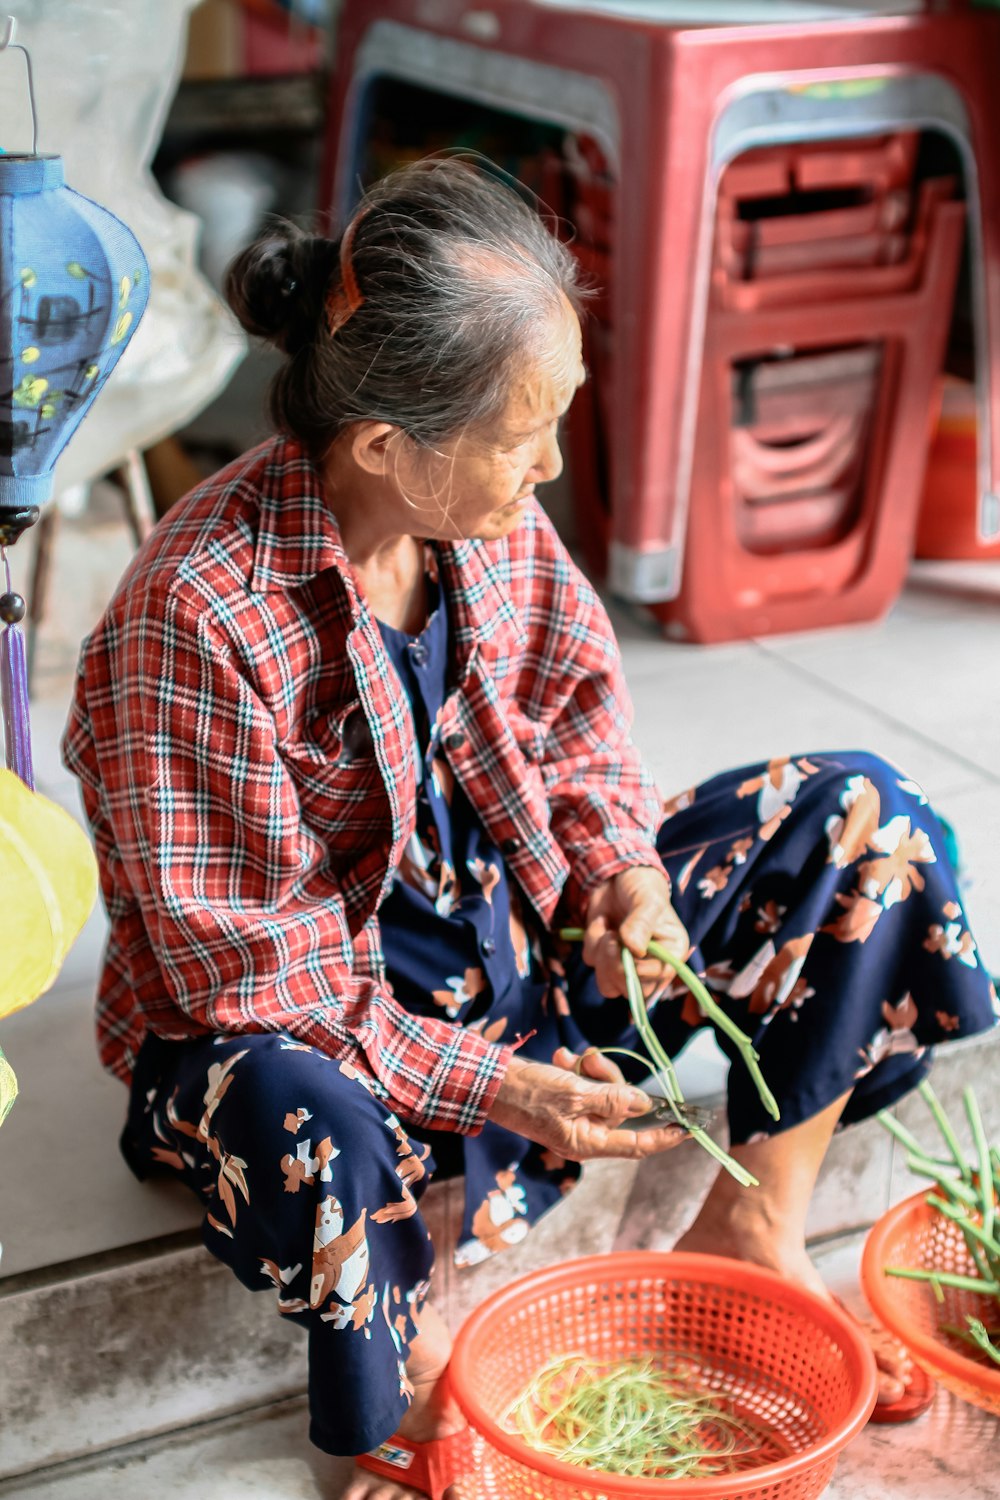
x: 715, y: 1269
x: 873, y: 1281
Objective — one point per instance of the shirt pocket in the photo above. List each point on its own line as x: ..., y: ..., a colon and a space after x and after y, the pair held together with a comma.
x: 340, y: 739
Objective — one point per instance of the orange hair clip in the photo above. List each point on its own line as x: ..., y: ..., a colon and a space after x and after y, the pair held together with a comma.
x: 343, y: 301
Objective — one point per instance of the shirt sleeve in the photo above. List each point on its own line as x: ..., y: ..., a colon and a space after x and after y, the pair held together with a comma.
x: 243, y: 911
x: 604, y: 805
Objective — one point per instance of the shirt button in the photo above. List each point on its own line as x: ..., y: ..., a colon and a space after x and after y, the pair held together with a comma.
x: 453, y: 741
x: 488, y: 947
x: 510, y: 846
x: 418, y: 654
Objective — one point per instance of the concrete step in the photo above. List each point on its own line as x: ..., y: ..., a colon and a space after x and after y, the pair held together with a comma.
x: 263, y: 1453
x: 117, y: 1349
x: 131, y: 1345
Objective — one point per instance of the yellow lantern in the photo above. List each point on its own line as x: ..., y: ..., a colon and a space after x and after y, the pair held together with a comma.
x: 48, y: 885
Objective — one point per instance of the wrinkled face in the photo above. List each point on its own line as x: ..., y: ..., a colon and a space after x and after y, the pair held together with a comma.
x: 478, y: 484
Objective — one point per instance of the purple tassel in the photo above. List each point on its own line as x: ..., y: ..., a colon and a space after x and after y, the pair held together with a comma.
x: 14, y: 687
x: 14, y: 704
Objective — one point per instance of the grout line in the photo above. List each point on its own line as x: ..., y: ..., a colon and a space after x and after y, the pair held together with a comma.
x: 807, y: 674
x: 829, y: 1238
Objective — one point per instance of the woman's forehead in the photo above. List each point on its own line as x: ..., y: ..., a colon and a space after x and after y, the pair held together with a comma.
x: 545, y: 386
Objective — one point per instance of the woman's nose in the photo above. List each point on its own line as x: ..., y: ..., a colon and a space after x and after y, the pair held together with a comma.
x: 548, y: 463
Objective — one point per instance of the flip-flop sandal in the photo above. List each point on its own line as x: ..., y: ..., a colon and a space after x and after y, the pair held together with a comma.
x: 920, y: 1388
x: 428, y: 1468
x: 915, y: 1400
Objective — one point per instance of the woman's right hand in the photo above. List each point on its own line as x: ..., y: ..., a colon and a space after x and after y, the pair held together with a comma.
x: 578, y: 1117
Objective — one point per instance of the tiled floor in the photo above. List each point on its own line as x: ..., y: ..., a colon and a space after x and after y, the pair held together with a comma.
x: 919, y: 687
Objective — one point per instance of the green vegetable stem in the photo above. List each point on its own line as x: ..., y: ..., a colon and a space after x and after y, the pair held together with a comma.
x: 658, y: 1060
x: 968, y: 1200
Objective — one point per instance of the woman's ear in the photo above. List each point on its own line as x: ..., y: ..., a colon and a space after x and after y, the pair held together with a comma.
x: 371, y: 445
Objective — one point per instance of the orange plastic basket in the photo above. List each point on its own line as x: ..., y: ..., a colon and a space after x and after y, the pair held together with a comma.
x: 792, y: 1365
x: 914, y: 1234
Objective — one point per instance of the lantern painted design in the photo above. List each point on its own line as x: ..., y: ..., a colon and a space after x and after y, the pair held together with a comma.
x: 73, y: 285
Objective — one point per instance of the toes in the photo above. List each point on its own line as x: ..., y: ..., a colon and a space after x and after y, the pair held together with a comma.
x: 365, y: 1486
x: 890, y: 1355
x: 889, y: 1389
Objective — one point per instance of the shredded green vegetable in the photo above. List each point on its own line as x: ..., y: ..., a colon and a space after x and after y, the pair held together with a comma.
x: 970, y: 1201
x: 659, y: 1062
x: 631, y: 1416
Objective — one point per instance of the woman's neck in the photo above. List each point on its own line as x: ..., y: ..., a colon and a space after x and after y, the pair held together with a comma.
x: 392, y: 580
x: 373, y: 526
x: 388, y: 562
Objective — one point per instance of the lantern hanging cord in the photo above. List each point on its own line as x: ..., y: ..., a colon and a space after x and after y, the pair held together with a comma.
x: 8, y: 44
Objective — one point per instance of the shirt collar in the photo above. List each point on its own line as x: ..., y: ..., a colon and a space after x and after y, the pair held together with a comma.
x: 475, y: 580
x: 297, y: 533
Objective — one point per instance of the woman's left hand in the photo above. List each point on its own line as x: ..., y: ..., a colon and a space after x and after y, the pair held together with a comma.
x: 628, y: 910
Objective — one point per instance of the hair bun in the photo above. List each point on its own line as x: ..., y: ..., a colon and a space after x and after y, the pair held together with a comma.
x: 276, y: 286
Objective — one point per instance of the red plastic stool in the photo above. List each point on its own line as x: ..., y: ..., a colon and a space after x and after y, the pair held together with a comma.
x: 758, y: 562
x: 673, y: 103
x: 877, y: 174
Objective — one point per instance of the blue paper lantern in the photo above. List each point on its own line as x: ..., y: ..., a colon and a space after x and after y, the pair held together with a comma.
x: 73, y: 285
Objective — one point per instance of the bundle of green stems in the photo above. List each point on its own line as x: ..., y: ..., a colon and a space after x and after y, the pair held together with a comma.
x: 630, y: 1416
x: 660, y: 1064
x: 968, y: 1200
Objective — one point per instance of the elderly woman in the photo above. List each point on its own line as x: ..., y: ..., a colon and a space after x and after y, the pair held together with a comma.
x: 354, y: 744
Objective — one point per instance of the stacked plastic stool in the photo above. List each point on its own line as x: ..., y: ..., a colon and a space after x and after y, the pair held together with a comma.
x: 675, y: 93
x: 819, y: 373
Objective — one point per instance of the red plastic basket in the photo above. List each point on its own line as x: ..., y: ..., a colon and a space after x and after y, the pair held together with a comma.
x: 792, y: 1365
x: 914, y: 1234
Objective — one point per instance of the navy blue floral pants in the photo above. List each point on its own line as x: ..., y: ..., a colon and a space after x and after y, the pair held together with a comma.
x: 826, y: 920
x: 825, y: 917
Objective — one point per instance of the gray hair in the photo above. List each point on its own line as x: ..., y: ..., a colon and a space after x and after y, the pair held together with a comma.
x: 459, y: 280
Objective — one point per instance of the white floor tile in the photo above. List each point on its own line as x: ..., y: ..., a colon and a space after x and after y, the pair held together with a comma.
x: 952, y: 583
x: 931, y: 666
x: 731, y: 710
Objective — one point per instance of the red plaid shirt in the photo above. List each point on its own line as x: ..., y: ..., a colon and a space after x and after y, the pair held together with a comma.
x: 246, y: 754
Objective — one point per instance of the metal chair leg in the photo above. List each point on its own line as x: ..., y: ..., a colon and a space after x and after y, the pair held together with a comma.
x: 132, y: 479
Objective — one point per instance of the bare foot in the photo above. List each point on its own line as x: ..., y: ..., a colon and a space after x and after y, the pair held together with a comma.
x: 762, y: 1249
x: 432, y: 1413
